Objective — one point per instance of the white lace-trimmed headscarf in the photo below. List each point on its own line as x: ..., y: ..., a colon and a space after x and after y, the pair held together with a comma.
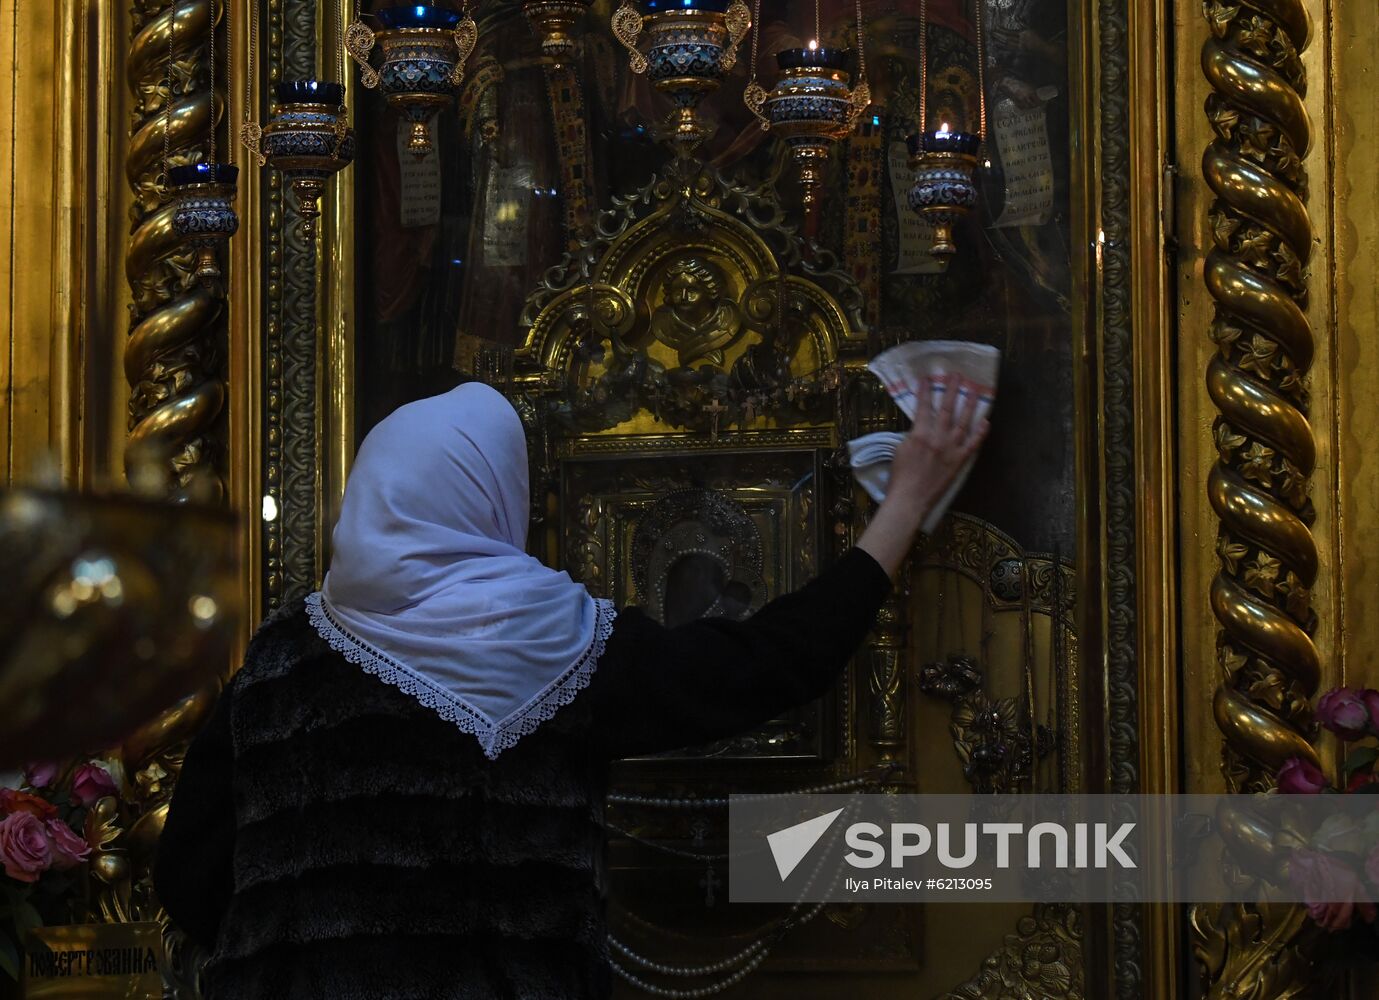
x: 430, y: 588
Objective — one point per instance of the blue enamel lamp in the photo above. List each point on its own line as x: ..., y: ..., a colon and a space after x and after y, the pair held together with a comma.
x: 309, y: 139
x: 204, y: 212
x: 945, y: 188
x: 688, y: 49
x: 425, y: 48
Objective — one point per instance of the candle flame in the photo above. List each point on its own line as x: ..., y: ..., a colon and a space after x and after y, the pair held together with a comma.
x: 813, y: 45
x: 943, y: 127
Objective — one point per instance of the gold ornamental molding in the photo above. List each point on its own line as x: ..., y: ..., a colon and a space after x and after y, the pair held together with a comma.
x: 174, y: 360
x: 1256, y: 272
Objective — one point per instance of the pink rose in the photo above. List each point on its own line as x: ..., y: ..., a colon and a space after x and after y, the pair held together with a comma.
x: 1330, y: 888
x: 40, y: 775
x: 1344, y: 712
x: 25, y: 849
x: 91, y: 783
x: 69, y: 850
x: 1371, y: 699
x: 1299, y: 776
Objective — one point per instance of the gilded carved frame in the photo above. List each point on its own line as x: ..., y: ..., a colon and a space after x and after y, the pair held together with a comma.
x: 1121, y: 386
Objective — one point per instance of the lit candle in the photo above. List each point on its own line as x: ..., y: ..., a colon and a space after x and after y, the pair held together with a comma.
x: 945, y: 140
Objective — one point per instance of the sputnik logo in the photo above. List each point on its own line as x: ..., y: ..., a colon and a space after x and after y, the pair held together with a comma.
x: 790, y: 846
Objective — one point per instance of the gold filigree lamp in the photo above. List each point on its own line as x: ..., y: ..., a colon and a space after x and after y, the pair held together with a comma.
x: 115, y: 607
x: 425, y: 48
x: 814, y: 103
x: 554, y: 21
x: 945, y: 161
x: 690, y: 47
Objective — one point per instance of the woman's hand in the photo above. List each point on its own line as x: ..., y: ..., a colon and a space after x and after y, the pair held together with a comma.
x: 926, y: 463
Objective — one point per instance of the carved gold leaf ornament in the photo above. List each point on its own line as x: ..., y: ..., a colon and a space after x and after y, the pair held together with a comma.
x: 754, y: 96
x: 860, y: 100
x: 251, y: 138
x: 466, y: 37
x: 359, y: 43
x: 1042, y: 960
x: 738, y: 21
x: 627, y: 28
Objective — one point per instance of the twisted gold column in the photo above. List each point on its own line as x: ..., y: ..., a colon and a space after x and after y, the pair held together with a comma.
x: 174, y: 360
x: 1256, y: 273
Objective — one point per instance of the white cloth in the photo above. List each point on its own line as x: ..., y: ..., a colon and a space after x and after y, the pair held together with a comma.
x: 430, y: 588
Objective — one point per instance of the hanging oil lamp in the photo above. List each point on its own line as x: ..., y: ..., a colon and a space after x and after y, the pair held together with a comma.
x: 425, y: 49
x: 204, y: 212
x: 814, y: 104
x: 690, y: 47
x: 203, y: 194
x: 944, y: 160
x: 554, y: 21
x: 945, y: 189
x: 308, y: 138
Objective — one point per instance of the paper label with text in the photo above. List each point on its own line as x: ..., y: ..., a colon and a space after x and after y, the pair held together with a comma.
x: 420, y: 183
x: 1022, y: 136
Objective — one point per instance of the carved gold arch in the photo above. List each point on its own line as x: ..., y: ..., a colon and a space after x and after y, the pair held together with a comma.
x: 766, y: 339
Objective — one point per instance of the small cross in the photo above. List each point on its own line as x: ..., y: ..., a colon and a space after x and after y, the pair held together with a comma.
x: 709, y: 883
x: 716, y: 409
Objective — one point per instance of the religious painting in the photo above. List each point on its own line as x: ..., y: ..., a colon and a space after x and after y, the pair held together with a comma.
x: 697, y: 537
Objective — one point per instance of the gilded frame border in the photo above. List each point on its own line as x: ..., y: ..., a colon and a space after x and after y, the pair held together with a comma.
x: 1128, y: 610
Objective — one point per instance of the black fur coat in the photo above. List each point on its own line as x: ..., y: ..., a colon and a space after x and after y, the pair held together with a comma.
x: 332, y: 838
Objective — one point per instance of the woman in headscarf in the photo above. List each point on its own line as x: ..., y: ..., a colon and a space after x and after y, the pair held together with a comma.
x: 398, y: 795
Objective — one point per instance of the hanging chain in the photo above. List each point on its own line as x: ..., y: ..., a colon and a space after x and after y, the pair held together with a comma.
x: 755, y: 95
x: 756, y: 38
x: 215, y: 9
x: 923, y: 66
x: 339, y: 51
x: 359, y: 42
x: 981, y: 71
x: 162, y: 180
x: 861, y: 46
x: 230, y: 154
x: 816, y: 22
x: 251, y: 132
x: 859, y: 98
x: 342, y: 121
